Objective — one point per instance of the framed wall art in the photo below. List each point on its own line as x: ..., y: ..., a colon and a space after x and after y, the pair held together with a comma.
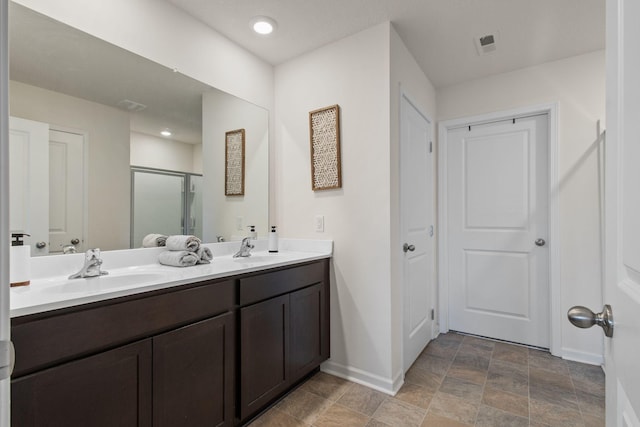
x: 324, y: 128
x: 234, y: 163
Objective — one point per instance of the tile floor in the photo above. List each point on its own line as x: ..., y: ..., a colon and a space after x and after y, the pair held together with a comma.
x: 456, y: 381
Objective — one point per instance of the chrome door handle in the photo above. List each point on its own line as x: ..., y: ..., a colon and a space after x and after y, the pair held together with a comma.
x: 7, y: 359
x: 582, y: 317
x: 540, y: 242
x: 75, y: 241
x: 41, y: 245
x: 408, y: 248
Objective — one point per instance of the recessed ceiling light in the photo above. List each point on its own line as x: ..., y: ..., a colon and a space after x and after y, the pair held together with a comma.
x: 165, y: 132
x: 131, y: 106
x: 263, y: 25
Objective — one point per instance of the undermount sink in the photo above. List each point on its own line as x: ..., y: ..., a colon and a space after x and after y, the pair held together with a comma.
x: 255, y: 259
x: 102, y: 283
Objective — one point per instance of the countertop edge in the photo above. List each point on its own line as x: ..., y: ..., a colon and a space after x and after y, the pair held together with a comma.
x: 118, y: 293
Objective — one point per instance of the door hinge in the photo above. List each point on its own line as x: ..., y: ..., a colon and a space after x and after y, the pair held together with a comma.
x: 433, y: 314
x: 7, y: 359
x: 431, y: 146
x: 431, y: 231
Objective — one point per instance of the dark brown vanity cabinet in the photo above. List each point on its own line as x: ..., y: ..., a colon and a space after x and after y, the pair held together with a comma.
x: 284, y: 332
x: 264, y: 343
x: 166, y: 359
x: 309, y: 320
x: 192, y: 370
x: 109, y: 389
x: 213, y: 353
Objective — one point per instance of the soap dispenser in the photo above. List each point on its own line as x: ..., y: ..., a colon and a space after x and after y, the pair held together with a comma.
x: 19, y: 261
x: 252, y: 232
x: 273, y: 240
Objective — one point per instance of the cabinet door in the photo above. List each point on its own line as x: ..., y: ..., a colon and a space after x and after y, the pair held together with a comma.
x: 193, y: 374
x: 109, y: 389
x: 307, y: 323
x: 264, y: 349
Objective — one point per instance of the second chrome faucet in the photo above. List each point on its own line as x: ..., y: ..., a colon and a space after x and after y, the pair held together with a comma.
x: 245, y: 248
x: 91, y: 267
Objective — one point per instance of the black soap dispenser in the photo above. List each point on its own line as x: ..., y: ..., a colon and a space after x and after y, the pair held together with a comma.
x: 19, y: 261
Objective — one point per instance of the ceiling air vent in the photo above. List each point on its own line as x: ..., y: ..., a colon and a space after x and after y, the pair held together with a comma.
x: 131, y: 106
x: 486, y: 44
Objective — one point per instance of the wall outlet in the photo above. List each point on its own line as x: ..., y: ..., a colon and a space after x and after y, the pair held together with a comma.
x: 319, y: 223
x: 239, y: 221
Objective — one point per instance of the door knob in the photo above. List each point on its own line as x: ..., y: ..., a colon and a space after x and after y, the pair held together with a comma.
x: 75, y: 241
x: 41, y: 245
x: 582, y: 317
x: 540, y: 242
x: 407, y: 247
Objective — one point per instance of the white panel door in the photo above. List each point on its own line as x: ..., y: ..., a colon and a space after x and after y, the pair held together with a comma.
x: 66, y: 190
x: 29, y: 172
x: 497, y: 205
x: 417, y: 213
x: 622, y: 226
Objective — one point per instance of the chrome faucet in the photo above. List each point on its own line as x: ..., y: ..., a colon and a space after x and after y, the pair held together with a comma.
x: 69, y: 249
x: 245, y: 248
x: 91, y: 268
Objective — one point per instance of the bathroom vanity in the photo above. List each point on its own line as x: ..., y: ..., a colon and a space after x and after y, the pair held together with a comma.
x: 215, y: 350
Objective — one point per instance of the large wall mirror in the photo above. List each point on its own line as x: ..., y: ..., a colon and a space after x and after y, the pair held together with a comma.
x: 87, y: 115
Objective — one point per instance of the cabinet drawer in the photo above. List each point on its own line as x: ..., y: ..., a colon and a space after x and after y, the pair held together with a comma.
x: 268, y: 285
x: 51, y: 340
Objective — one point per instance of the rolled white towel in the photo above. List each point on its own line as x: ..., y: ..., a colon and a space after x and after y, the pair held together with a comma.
x: 182, y: 243
x: 153, y: 240
x: 204, y: 255
x: 178, y: 258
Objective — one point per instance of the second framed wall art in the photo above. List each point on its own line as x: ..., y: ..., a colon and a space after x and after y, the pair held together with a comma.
x: 324, y: 129
x: 234, y: 163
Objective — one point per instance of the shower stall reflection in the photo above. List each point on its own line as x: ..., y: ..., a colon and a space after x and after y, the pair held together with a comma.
x: 164, y: 202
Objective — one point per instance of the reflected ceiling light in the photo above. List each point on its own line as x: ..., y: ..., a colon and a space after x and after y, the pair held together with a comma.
x: 263, y: 25
x: 165, y: 132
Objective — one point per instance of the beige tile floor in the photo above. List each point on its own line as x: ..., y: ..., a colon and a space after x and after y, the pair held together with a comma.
x: 456, y: 381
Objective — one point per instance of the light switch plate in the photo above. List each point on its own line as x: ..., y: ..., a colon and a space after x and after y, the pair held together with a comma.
x: 239, y: 221
x: 319, y: 222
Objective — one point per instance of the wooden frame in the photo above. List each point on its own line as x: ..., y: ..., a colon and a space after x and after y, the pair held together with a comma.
x: 324, y: 130
x: 234, y: 163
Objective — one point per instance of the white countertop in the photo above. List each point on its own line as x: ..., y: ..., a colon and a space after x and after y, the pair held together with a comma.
x: 137, y: 270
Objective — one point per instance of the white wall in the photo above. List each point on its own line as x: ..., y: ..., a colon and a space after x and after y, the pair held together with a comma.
x: 196, y: 161
x: 151, y: 151
x: 354, y: 73
x: 107, y: 156
x: 578, y: 85
x: 363, y: 74
x: 227, y: 113
x: 408, y: 76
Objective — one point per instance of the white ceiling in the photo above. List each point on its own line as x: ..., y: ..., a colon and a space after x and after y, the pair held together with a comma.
x: 51, y: 55
x: 439, y: 33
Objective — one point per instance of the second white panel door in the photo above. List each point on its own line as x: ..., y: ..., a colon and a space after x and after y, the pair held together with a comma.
x: 66, y: 190
x: 498, y: 226
x: 416, y: 197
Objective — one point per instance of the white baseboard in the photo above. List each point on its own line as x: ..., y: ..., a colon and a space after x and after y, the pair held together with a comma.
x: 583, y: 356
x: 364, y: 378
